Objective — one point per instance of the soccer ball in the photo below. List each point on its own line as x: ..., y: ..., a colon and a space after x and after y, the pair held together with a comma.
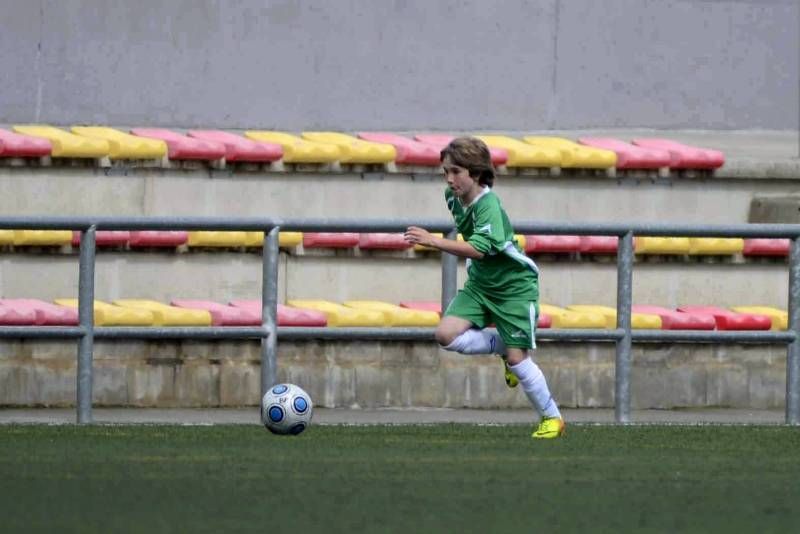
x: 286, y: 409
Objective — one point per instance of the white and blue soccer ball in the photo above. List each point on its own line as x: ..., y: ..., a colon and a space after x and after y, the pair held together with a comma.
x: 286, y: 409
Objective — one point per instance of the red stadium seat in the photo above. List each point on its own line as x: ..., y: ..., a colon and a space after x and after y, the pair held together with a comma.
x: 157, y: 238
x: 599, y: 244
x: 14, y: 145
x: 499, y: 156
x: 383, y: 241
x: 424, y: 305
x: 730, y: 320
x: 766, y: 247
x: 46, y: 313
x: 330, y: 240
x: 677, y: 320
x: 13, y: 316
x: 685, y: 156
x: 104, y: 238
x: 409, y: 152
x: 222, y: 314
x: 552, y: 243
x: 183, y: 147
x: 544, y: 321
x: 287, y: 315
x: 238, y: 148
x: 630, y: 156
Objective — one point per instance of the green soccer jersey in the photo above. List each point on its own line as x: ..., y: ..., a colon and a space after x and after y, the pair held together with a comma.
x: 504, y: 271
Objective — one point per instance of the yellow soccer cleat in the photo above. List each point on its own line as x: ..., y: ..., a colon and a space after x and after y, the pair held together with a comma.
x: 511, y: 379
x: 549, y: 428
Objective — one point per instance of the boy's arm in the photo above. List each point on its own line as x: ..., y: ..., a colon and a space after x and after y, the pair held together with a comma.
x: 419, y: 236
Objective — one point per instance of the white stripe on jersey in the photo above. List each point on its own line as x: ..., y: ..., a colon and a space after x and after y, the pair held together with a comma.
x: 511, y: 251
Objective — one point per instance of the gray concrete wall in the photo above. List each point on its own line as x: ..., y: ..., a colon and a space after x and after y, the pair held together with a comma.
x: 401, y: 65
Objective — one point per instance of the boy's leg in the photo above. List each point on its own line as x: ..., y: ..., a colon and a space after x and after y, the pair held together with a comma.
x: 461, y: 328
x: 535, y: 387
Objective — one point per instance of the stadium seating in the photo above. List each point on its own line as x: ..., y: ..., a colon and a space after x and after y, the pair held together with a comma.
x: 165, y: 315
x: 6, y: 237
x: 422, y: 305
x: 499, y: 156
x: 729, y: 320
x: 287, y: 315
x: 339, y: 315
x: 715, y: 246
x: 766, y: 247
x: 552, y: 243
x: 14, y: 145
x: 574, y: 155
x: 396, y: 315
x: 12, y: 316
x: 106, y: 314
x: 105, y: 238
x: 638, y: 320
x: 182, y: 147
x: 65, y: 144
x: 42, y: 237
x: 677, y: 320
x: 158, y: 238
x: 353, y: 150
x: 45, y: 313
x: 222, y: 314
x: 630, y: 156
x: 217, y: 239
x: 123, y: 145
x: 661, y: 245
x: 383, y: 241
x: 285, y: 239
x: 598, y: 244
x: 409, y: 151
x: 780, y: 318
x: 523, y: 154
x: 296, y: 149
x: 330, y: 240
x: 240, y: 149
x: 565, y: 318
x: 684, y: 156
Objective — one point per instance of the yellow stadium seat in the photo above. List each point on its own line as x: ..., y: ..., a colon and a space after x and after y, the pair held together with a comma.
x: 339, y: 315
x: 42, y: 237
x: 124, y: 145
x: 780, y: 318
x: 638, y: 320
x: 217, y: 239
x: 395, y: 315
x: 662, y: 245
x: 523, y: 154
x: 165, y: 315
x: 106, y: 314
x: 354, y: 150
x: 296, y: 149
x: 285, y: 239
x: 563, y: 318
x: 424, y: 248
x: 574, y: 155
x: 520, y: 241
x: 6, y: 237
x: 65, y: 144
x: 715, y: 245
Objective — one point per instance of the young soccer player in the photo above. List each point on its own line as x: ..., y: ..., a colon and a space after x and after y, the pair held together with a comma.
x: 502, y: 285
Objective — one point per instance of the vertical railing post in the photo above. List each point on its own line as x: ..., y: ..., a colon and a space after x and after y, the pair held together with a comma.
x: 622, y: 364
x: 86, y: 321
x: 793, y: 349
x: 449, y: 274
x: 269, y: 310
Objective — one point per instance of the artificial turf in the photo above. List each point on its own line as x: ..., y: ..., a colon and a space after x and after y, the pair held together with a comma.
x: 438, y: 478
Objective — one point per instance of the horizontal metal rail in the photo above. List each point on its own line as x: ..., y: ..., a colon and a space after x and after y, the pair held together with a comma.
x: 268, y: 333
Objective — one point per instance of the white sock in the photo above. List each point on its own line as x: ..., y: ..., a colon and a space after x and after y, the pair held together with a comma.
x: 534, y: 384
x: 475, y: 341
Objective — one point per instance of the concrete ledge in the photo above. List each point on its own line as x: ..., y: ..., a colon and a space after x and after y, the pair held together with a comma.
x: 373, y: 375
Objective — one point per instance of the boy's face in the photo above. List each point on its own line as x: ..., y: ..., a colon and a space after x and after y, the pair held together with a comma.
x: 458, y: 178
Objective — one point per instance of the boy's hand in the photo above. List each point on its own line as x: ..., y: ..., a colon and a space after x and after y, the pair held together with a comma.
x: 419, y: 236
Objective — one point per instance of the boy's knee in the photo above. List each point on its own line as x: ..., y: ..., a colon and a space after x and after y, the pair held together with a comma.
x: 445, y: 336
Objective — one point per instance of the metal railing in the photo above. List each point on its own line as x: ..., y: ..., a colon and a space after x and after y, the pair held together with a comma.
x: 269, y: 333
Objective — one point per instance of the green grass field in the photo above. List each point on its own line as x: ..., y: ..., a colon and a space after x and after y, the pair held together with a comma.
x: 442, y: 478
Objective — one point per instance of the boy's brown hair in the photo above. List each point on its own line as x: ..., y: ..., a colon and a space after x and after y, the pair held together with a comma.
x: 472, y: 154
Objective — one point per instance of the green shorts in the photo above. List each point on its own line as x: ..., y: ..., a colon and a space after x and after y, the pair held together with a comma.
x: 515, y: 319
